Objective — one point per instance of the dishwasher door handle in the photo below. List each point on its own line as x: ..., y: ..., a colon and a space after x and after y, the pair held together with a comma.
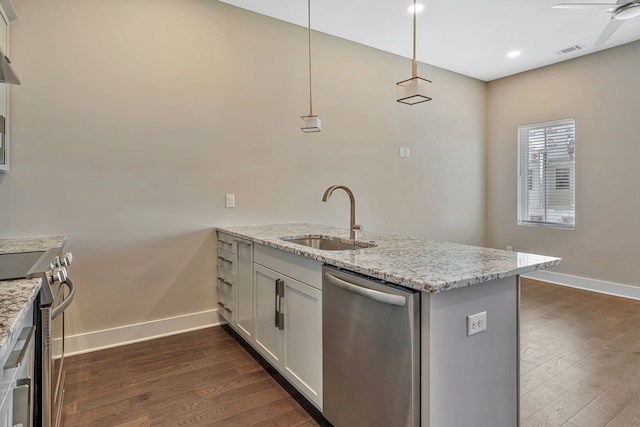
x: 379, y: 296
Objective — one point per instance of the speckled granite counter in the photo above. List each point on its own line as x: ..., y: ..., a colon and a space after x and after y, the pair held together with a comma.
x: 424, y: 265
x: 17, y: 295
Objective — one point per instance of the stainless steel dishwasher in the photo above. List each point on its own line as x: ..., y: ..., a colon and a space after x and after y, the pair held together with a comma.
x: 371, y: 351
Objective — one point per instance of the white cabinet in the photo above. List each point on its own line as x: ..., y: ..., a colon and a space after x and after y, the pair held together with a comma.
x: 268, y: 336
x: 234, y: 283
x: 6, y: 409
x: 227, y: 277
x: 7, y: 14
x: 288, y: 317
x: 303, y: 338
x: 244, y: 305
x: 273, y: 300
x: 16, y: 373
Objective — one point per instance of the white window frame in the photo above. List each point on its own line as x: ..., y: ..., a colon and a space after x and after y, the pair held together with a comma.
x: 545, y: 215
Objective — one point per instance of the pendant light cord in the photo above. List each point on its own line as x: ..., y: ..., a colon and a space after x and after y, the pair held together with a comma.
x: 414, y: 64
x: 309, y: 39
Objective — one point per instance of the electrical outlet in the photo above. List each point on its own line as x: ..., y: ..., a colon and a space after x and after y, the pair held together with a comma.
x: 476, y: 323
x: 230, y: 200
x: 407, y: 152
x: 402, y: 152
x: 509, y: 248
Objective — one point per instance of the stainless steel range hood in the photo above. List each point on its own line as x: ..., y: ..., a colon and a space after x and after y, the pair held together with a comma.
x: 7, y: 74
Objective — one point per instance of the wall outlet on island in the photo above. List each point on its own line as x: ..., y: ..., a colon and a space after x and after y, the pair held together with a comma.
x: 476, y: 323
x: 509, y: 247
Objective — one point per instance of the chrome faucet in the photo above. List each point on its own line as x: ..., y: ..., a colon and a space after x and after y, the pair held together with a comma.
x: 352, y: 225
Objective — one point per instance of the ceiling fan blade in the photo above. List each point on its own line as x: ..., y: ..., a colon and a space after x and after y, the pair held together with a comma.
x: 584, y: 5
x: 608, y: 31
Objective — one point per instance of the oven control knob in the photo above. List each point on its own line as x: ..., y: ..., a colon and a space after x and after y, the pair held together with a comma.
x: 55, y: 263
x: 58, y: 275
x: 66, y: 259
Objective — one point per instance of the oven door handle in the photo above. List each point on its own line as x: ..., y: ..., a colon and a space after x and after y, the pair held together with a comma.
x: 72, y: 291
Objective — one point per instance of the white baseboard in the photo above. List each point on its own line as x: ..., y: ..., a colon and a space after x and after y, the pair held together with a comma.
x: 609, y: 288
x: 129, y: 334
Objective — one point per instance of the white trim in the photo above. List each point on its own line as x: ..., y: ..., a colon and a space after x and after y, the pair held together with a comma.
x: 600, y: 286
x: 129, y: 334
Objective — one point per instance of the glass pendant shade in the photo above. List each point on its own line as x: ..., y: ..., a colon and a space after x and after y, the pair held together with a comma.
x: 311, y: 124
x: 412, y: 91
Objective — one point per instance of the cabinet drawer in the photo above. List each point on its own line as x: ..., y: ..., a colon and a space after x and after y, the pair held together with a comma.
x: 225, y: 286
x: 225, y: 306
x: 305, y: 270
x: 226, y: 261
x: 227, y: 243
x: 226, y: 276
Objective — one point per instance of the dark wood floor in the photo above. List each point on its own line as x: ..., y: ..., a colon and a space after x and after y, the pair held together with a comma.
x: 201, y: 378
x: 580, y: 366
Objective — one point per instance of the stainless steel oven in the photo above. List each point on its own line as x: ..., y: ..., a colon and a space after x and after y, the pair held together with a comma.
x: 56, y: 294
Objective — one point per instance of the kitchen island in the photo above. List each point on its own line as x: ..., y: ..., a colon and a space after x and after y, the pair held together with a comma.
x: 424, y: 265
x: 467, y: 378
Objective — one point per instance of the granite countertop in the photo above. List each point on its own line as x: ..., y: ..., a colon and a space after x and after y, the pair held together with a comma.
x: 17, y: 295
x: 425, y: 265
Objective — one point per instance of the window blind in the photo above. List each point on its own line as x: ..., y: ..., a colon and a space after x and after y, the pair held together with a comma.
x: 546, y: 174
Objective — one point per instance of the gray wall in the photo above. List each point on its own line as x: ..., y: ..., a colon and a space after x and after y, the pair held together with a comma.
x: 135, y: 117
x: 602, y: 92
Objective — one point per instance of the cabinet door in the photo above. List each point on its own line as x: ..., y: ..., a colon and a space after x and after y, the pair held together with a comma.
x: 268, y: 337
x: 6, y: 411
x: 4, y: 101
x: 302, y: 306
x: 244, y: 318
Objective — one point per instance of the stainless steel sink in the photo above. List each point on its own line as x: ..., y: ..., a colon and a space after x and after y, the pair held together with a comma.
x: 327, y: 243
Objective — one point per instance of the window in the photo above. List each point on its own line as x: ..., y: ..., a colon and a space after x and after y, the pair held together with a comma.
x: 546, y: 174
x: 563, y: 178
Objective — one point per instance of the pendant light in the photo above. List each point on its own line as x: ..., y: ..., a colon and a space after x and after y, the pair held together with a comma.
x: 311, y: 122
x: 414, y: 90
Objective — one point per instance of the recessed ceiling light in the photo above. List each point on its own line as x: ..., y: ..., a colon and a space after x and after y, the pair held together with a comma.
x: 514, y: 54
x: 419, y: 8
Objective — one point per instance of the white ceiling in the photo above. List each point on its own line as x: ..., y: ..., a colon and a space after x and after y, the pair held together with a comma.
x: 468, y: 37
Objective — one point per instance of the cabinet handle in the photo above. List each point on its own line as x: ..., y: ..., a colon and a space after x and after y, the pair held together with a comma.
x: 16, y: 357
x: 280, y: 292
x: 277, y: 303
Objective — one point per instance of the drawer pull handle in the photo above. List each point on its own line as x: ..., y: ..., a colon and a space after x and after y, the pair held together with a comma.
x: 17, y: 355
